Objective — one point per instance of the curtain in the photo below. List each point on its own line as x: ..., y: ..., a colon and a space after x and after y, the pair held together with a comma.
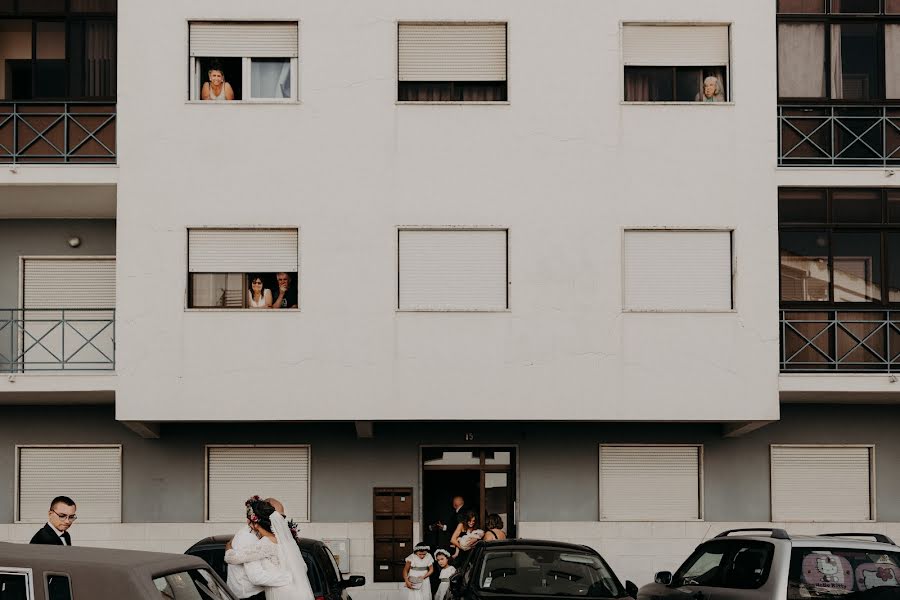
x: 637, y: 87
x: 837, y: 67
x: 892, y: 61
x: 100, y: 59
x: 271, y: 79
x: 801, y: 60
x: 801, y: 6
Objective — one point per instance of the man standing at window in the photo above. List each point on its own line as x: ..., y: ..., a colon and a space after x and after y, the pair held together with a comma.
x: 287, y: 292
x: 61, y: 517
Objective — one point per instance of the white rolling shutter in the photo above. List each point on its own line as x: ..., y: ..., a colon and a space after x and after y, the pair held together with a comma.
x: 650, y: 483
x: 91, y: 476
x: 675, y: 45
x: 242, y: 250
x: 237, y: 473
x: 677, y: 270
x: 815, y: 483
x: 254, y: 40
x: 70, y: 283
x: 452, y: 52
x: 453, y: 270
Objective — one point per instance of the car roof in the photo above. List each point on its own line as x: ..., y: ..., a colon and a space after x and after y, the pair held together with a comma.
x: 818, y: 541
x: 62, y: 558
x: 510, y: 543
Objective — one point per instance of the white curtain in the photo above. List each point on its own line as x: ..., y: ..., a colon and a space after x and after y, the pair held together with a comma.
x: 837, y: 68
x: 271, y: 79
x: 801, y: 60
x: 892, y: 61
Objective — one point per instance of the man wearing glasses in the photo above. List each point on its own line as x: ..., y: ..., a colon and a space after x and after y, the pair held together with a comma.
x: 287, y: 293
x: 60, y: 517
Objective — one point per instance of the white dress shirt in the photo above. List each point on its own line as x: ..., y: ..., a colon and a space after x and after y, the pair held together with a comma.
x: 58, y: 533
x: 238, y: 582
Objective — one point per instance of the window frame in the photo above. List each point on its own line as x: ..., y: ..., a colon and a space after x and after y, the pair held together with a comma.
x: 830, y: 226
x: 827, y: 19
x: 27, y: 573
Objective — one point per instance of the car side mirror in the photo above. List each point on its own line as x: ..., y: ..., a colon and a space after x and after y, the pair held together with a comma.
x: 663, y: 577
x: 631, y: 589
x: 354, y: 581
x: 457, y: 585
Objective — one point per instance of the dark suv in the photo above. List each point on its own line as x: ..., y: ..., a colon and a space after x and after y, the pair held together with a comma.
x: 324, y: 576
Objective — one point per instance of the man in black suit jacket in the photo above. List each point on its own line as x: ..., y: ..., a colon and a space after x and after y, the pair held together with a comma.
x: 60, y: 517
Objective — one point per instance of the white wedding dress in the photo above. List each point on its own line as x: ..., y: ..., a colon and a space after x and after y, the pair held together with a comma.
x: 291, y: 559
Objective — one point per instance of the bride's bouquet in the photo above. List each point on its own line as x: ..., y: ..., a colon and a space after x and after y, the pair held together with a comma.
x: 471, y: 538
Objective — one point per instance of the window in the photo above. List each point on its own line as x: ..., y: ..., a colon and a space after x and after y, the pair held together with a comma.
x: 546, y: 571
x: 828, y: 56
x: 15, y: 584
x: 678, y: 270
x: 804, y: 484
x: 452, y: 269
x: 835, y: 572
x: 730, y: 564
x: 244, y: 61
x: 243, y: 268
x: 91, y: 475
x: 58, y: 587
x: 839, y: 246
x: 196, y: 584
x: 451, y: 62
x: 236, y: 473
x: 676, y: 63
x: 631, y: 477
x: 60, y: 54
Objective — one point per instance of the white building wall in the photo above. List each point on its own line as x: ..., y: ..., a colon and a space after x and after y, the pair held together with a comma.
x: 564, y: 165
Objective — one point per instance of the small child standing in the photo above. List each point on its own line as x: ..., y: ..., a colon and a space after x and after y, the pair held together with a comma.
x: 416, y: 573
x: 447, y: 571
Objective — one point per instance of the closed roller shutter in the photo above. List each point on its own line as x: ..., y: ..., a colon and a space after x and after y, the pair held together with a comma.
x: 678, y: 270
x: 256, y: 40
x: 236, y: 474
x: 650, y: 483
x: 452, y: 52
x: 242, y: 250
x: 70, y: 283
x: 821, y: 483
x: 452, y: 270
x: 675, y: 45
x: 91, y: 476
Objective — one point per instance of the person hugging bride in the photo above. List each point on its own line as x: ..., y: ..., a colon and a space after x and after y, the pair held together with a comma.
x: 273, y: 562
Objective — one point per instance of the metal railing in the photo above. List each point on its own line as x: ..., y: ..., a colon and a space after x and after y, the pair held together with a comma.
x: 848, y: 341
x: 839, y: 135
x: 57, y: 339
x: 57, y: 132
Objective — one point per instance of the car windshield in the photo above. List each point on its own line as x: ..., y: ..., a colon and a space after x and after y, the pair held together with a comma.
x: 845, y: 573
x: 547, y: 572
x: 195, y: 584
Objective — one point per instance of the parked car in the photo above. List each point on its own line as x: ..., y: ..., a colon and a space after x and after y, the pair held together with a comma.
x: 769, y: 564
x: 33, y: 572
x: 534, y: 569
x: 321, y: 567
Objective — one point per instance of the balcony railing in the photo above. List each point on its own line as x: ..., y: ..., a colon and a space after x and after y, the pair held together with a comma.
x: 839, y: 135
x: 57, y: 339
x: 846, y: 341
x: 57, y: 132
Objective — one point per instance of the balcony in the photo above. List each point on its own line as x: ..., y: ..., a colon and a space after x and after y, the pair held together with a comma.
x: 57, y: 133
x: 57, y: 339
x: 838, y: 136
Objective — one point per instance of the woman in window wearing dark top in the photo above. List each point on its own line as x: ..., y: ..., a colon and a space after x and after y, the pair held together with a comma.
x: 493, y: 528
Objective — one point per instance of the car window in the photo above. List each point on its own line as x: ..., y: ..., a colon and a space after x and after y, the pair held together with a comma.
x: 733, y: 564
x: 546, y: 572
x: 314, y: 573
x: 835, y: 572
x: 58, y: 587
x: 195, y: 584
x: 13, y: 586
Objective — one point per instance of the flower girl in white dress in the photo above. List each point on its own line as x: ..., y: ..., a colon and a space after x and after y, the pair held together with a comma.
x: 419, y: 567
x: 447, y: 571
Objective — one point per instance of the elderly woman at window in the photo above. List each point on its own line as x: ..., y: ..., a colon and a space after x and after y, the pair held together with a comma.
x: 712, y: 91
x: 216, y: 89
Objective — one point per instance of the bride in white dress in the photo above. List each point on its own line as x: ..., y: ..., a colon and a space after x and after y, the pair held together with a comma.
x: 275, y: 562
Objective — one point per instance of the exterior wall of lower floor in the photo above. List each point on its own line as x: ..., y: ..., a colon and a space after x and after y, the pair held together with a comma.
x: 163, y: 486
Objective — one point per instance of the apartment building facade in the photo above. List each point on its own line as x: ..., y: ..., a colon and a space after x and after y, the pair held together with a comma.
x: 527, y: 258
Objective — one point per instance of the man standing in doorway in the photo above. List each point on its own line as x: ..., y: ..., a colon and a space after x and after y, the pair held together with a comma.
x: 60, y: 517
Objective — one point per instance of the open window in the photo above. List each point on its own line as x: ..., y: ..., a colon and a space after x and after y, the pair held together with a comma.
x: 234, y: 61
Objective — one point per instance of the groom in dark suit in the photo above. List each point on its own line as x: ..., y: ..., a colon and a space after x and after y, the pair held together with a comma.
x: 60, y: 517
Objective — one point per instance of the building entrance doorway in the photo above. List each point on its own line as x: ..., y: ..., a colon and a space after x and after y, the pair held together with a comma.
x: 484, y: 476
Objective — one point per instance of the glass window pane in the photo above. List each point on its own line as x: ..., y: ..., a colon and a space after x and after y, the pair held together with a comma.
x: 892, y: 7
x: 804, y: 266
x: 893, y: 258
x: 892, y: 59
x: 856, y: 206
x: 14, y: 587
x: 704, y: 567
x: 857, y: 266
x: 270, y: 78
x: 195, y: 584
x: 93, y: 6
x: 492, y: 457
x: 42, y: 6
x: 802, y: 206
x: 649, y: 84
x: 855, y: 6
x: 7, y: 7
x: 51, y: 40
x: 688, y: 84
x: 58, y: 588
x: 15, y: 58
x: 893, y: 206
x: 801, y: 6
x: 801, y: 60
x: 229, y: 68
x: 433, y: 456
x: 217, y: 290
x: 854, y: 61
